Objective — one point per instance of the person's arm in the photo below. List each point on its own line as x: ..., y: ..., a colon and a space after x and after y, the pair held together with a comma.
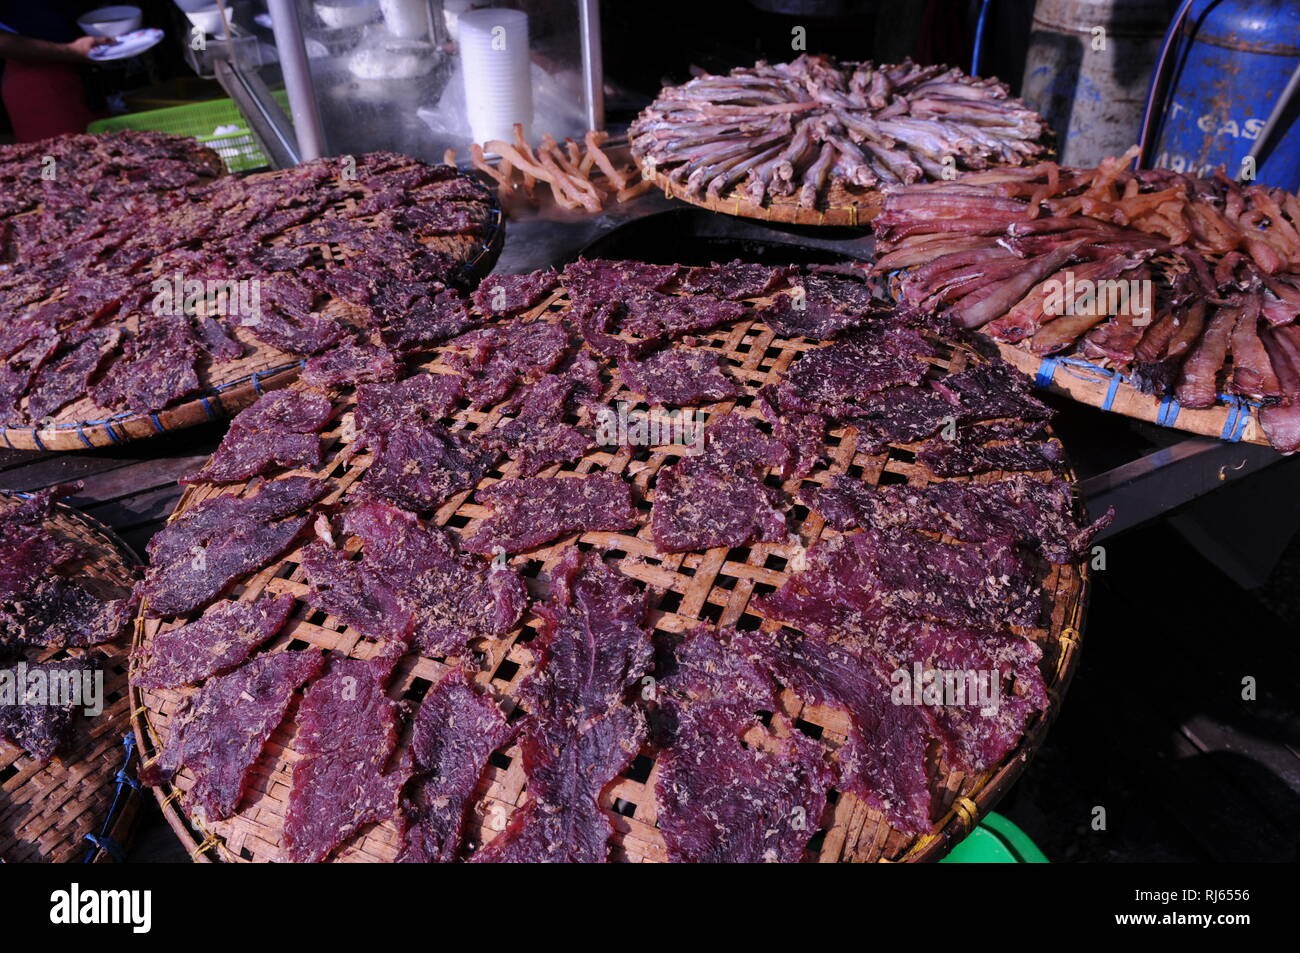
x: 15, y: 47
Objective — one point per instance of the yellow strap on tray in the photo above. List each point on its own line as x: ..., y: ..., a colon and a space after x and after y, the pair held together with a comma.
x: 208, y: 843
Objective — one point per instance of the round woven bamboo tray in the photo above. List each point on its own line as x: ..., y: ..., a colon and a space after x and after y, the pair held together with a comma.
x: 713, y: 586
x: 231, y: 386
x: 1231, y: 418
x: 841, y: 206
x: 48, y: 811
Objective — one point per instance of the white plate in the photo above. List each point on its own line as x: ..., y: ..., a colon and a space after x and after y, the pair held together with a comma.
x: 127, y: 45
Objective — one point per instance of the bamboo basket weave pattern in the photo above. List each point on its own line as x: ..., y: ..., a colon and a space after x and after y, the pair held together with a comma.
x: 231, y: 386
x: 47, y: 811
x: 841, y: 206
x: 713, y: 587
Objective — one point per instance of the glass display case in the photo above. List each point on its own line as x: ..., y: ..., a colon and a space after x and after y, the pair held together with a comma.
x: 413, y: 76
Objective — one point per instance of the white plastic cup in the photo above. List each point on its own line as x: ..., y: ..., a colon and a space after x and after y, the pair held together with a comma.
x: 496, y: 71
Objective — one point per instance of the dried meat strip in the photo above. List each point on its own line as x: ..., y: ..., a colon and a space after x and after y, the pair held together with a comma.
x: 679, y: 376
x: 501, y: 296
x: 38, y: 704
x: 347, y: 733
x: 700, y: 504
x: 1039, y: 513
x: 279, y: 429
x: 66, y: 378
x: 381, y: 407
x: 495, y: 359
x: 882, y: 759
x: 350, y: 364
x: 872, y: 573
x: 723, y: 797
x: 734, y: 282
x: 54, y: 612
x: 415, y: 317
x: 223, y: 638
x: 528, y: 513
x: 413, y: 581
x: 219, y: 733
x: 420, y: 464
x: 200, y: 554
x: 455, y: 732
x: 593, y: 646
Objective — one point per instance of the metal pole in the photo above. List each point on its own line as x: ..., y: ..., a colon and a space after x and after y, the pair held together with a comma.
x: 297, y: 78
x: 593, y: 67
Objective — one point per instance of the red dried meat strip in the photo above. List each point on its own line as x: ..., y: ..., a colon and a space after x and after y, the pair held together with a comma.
x: 61, y: 381
x: 279, y: 430
x: 223, y: 638
x: 412, y: 581
x: 219, y: 733
x: 54, y: 612
x: 347, y: 732
x: 723, y: 797
x: 799, y: 315
x: 528, y: 513
x: 380, y: 407
x: 601, y: 279
x: 734, y: 281
x: 455, y: 732
x: 882, y: 759
x: 34, y: 722
x: 974, y: 452
x: 659, y: 317
x: 678, y: 376
x: 539, y: 435
x: 350, y: 364
x: 414, y: 317
x: 1039, y: 513
x: 156, y: 369
x: 287, y: 320
x: 873, y: 573
x: 502, y: 296
x: 420, y: 464
x: 593, y: 646
x: 700, y: 504
x: 497, y: 358
x: 737, y: 441
x: 201, y: 553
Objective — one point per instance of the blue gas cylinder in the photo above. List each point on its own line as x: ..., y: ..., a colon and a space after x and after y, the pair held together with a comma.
x: 1231, y: 64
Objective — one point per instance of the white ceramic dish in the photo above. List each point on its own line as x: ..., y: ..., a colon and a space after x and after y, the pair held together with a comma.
x: 111, y: 21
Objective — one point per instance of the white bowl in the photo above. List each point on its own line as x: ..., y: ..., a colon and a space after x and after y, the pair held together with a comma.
x: 204, y: 14
x: 341, y: 14
x: 111, y: 21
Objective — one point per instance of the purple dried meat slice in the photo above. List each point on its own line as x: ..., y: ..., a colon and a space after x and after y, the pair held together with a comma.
x: 198, y: 556
x: 968, y: 454
x: 600, y: 279
x: 594, y: 643
x: 61, y: 381
x: 412, y: 580
x: 700, y: 504
x: 456, y: 730
x: 722, y: 798
x: 156, y: 370
x: 528, y: 513
x: 539, y: 435
x: 882, y: 759
x: 55, y: 612
x: 658, y: 317
x: 677, y: 376
x: 1039, y: 513
x: 34, y: 721
x: 499, y: 357
x: 413, y: 318
x: 870, y: 574
x: 563, y: 821
x: 829, y: 380
x: 381, y: 407
x: 288, y: 322
x: 290, y: 410
x: 593, y: 646
x: 502, y: 296
x: 350, y: 364
x: 223, y: 638
x: 900, y: 415
x: 733, y: 281
x: 347, y: 732
x: 737, y: 441
x: 247, y: 453
x: 420, y: 465
x: 990, y: 390
x: 796, y: 315
x: 215, y: 338
x: 220, y: 732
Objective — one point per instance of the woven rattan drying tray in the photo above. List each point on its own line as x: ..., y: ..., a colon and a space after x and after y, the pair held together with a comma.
x: 47, y: 811
x: 233, y: 385
x: 713, y: 586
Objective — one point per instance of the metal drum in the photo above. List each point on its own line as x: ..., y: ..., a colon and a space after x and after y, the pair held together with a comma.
x: 1233, y: 61
x: 1088, y: 69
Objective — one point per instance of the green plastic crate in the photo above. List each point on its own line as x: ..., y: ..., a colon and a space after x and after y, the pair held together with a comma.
x: 996, y: 841
x: 239, y: 149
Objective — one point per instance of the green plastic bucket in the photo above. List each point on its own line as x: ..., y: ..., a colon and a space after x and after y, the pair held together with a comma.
x: 996, y: 841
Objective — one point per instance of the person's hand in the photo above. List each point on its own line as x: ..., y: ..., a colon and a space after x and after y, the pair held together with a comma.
x: 80, y: 48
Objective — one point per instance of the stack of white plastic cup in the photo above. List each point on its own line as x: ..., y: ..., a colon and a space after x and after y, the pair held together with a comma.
x: 495, y: 65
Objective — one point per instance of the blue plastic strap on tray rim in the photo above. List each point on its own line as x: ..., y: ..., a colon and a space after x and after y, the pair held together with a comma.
x: 1046, y: 371
x: 1168, y: 412
x: 157, y: 424
x: 1111, y: 389
x: 122, y: 779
